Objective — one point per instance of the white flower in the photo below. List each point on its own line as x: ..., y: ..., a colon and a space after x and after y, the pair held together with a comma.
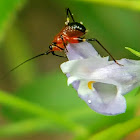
x: 99, y: 82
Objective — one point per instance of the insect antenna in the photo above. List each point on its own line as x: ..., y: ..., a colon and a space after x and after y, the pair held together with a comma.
x: 46, y: 53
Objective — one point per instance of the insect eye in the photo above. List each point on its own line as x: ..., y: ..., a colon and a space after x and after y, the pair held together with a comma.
x: 50, y: 47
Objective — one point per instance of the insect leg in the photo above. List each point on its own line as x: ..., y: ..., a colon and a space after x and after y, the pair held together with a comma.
x: 93, y: 39
x: 68, y: 12
x: 59, y: 47
x: 58, y: 55
x: 63, y: 42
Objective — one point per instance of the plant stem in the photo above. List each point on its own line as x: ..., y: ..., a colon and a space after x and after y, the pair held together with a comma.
x: 133, y: 5
x: 133, y: 51
x: 118, y: 131
x: 17, y: 103
x: 24, y: 127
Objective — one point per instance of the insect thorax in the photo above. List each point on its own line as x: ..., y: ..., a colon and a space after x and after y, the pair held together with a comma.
x: 74, y: 29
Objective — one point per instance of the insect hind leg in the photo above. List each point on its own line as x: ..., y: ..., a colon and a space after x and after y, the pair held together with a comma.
x: 94, y: 39
x: 68, y: 12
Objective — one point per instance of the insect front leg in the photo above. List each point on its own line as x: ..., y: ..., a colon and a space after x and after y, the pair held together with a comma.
x: 58, y: 55
x: 64, y: 43
x: 54, y: 52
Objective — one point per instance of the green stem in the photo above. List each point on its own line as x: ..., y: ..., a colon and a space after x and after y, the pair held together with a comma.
x: 118, y: 131
x: 133, y: 5
x: 24, y: 127
x: 11, y: 101
x: 133, y: 51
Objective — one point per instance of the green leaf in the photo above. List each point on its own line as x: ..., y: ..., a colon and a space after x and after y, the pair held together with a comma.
x: 8, y: 10
x: 133, y: 51
x: 24, y: 127
x: 133, y: 5
x: 118, y: 131
x: 37, y: 110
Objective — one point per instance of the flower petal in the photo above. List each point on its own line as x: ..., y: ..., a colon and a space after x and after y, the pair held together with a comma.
x: 103, y: 98
x: 110, y: 80
x: 74, y: 83
x: 97, y: 69
x: 72, y: 79
x: 81, y: 51
x: 84, y: 65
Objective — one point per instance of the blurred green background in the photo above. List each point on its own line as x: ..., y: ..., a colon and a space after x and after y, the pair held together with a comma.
x: 35, y: 100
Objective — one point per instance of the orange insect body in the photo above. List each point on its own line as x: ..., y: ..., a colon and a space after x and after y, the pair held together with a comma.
x: 71, y: 33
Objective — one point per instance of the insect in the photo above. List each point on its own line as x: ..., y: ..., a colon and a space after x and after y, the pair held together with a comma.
x: 71, y: 33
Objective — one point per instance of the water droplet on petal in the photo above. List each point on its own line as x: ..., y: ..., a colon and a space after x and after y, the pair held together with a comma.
x: 89, y: 101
